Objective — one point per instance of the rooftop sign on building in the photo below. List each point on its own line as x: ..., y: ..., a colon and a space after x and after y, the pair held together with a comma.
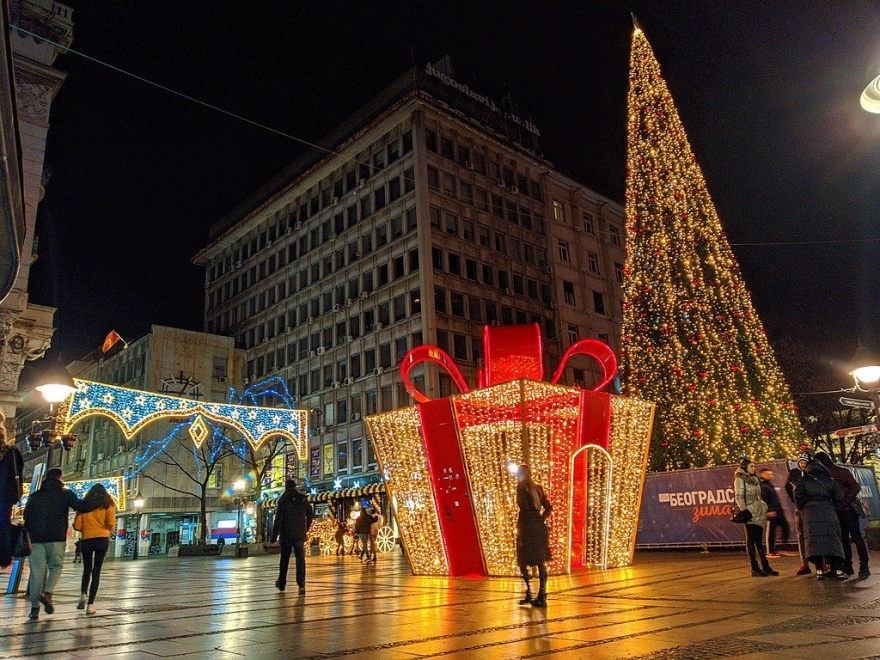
x: 485, y: 100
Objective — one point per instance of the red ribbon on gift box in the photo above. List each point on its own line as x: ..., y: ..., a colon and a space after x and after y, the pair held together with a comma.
x: 511, y: 352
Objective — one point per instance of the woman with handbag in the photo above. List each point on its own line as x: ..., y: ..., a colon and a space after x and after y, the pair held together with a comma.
x: 11, y: 465
x: 747, y: 491
x: 95, y: 525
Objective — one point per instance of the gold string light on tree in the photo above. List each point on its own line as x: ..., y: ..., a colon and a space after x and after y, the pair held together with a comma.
x: 693, y: 343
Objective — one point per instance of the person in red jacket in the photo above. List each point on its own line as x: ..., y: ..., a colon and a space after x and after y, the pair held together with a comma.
x: 850, y: 525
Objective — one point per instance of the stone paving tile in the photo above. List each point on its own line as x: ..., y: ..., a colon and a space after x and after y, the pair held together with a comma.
x: 849, y: 650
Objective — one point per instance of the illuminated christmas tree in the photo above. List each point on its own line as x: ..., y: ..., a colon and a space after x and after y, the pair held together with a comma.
x: 692, y: 341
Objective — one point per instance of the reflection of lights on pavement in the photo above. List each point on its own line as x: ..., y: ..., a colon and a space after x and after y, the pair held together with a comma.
x: 871, y: 96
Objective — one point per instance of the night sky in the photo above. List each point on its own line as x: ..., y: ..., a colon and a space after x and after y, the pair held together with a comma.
x: 768, y: 94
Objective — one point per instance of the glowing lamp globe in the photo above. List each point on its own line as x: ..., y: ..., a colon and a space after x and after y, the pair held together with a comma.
x: 56, y: 385
x: 865, y: 367
x: 870, y: 99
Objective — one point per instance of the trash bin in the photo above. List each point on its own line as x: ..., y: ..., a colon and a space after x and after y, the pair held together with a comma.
x: 242, y: 552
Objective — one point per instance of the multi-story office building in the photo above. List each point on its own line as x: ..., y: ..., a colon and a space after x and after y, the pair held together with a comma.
x: 170, y: 361
x: 429, y: 214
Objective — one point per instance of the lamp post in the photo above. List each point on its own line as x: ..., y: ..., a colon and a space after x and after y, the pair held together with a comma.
x: 866, y: 374
x: 138, y: 503
x: 238, y: 487
x: 55, y: 386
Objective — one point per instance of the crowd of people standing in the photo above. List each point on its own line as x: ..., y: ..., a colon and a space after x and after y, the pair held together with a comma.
x: 827, y: 521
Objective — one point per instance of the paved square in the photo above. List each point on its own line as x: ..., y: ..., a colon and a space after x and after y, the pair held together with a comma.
x: 668, y: 605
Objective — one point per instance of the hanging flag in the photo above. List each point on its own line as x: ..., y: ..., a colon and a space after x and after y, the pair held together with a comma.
x: 111, y: 340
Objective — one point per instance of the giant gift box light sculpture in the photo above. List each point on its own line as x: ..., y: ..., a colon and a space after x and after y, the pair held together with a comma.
x: 446, y: 462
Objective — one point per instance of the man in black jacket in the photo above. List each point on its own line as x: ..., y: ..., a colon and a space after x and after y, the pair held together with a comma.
x: 46, y: 519
x: 775, y: 513
x: 293, y: 517
x: 794, y: 475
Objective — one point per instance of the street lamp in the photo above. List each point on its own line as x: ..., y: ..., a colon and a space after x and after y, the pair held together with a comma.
x: 55, y: 386
x: 866, y: 375
x: 870, y: 99
x: 866, y: 371
x: 238, y: 487
x: 138, y: 503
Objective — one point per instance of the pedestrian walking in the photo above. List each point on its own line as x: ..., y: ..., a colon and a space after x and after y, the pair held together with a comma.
x: 46, y: 519
x: 11, y: 465
x: 532, y: 534
x: 95, y: 524
x: 747, y: 491
x: 850, y: 521
x: 341, y: 531
x: 362, y: 527
x: 794, y: 476
x: 293, y: 517
x: 775, y: 513
x: 374, y: 532
x: 818, y: 497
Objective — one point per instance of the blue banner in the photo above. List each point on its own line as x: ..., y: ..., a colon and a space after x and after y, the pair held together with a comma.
x: 693, y: 507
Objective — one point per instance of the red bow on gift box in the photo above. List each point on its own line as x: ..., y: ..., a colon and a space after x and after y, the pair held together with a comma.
x: 511, y: 352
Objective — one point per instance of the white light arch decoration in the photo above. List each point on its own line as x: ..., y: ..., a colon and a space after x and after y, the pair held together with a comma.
x: 590, y: 505
x: 132, y: 410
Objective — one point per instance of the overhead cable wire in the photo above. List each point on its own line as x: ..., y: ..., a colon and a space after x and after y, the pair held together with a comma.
x: 313, y: 145
x: 165, y: 88
x: 828, y: 242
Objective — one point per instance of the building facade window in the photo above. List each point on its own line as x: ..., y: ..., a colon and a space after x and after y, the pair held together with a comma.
x: 614, y: 235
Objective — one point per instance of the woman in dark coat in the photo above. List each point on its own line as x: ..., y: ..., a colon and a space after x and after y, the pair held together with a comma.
x: 11, y: 463
x: 532, y: 535
x: 816, y: 496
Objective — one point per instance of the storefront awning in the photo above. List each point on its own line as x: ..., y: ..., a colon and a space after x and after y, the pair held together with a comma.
x: 369, y: 489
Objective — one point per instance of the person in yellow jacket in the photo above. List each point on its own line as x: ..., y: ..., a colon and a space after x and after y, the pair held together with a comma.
x: 95, y: 524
